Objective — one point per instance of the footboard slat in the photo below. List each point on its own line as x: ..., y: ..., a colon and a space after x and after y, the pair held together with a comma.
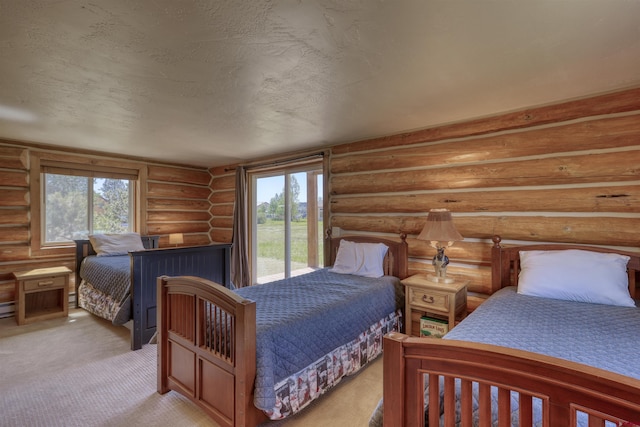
x: 450, y: 399
x: 179, y: 323
x: 525, y: 415
x: 218, y: 336
x: 485, y: 405
x: 434, y: 401
x: 466, y: 403
x: 548, y: 391
x: 504, y: 407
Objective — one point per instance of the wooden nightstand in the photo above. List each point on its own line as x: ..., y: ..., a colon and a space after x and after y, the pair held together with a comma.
x: 441, y: 300
x: 42, y: 294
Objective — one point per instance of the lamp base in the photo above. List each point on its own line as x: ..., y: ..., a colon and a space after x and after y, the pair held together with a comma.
x: 437, y: 279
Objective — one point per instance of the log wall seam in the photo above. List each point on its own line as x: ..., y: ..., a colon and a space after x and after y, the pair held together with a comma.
x: 480, y: 137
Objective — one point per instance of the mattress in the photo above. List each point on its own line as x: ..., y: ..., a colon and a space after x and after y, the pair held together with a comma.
x: 302, y: 319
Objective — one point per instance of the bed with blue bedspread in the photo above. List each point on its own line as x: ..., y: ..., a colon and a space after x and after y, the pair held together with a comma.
x: 305, y: 321
x: 559, y: 347
x: 577, y: 331
x: 267, y: 351
x: 116, y: 276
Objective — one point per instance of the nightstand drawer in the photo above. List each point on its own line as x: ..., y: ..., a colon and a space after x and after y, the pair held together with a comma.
x: 44, y: 283
x: 429, y: 300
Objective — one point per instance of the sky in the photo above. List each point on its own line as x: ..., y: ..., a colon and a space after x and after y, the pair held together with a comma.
x: 270, y: 186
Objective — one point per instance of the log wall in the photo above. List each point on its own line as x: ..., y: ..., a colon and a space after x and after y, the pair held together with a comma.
x: 174, y: 199
x: 222, y: 200
x: 567, y: 172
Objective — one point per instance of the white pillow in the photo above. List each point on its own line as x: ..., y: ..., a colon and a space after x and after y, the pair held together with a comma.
x: 575, y: 275
x: 116, y: 244
x: 361, y: 259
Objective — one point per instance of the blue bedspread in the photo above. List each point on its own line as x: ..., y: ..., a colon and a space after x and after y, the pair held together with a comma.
x: 305, y: 317
x: 599, y: 335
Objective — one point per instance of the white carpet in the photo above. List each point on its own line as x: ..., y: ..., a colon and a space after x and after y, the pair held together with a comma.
x: 80, y: 371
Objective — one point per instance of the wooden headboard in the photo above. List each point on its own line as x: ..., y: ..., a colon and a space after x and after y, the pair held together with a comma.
x: 396, y: 262
x: 505, y: 262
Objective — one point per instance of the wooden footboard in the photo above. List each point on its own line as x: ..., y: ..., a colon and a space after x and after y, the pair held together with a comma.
x: 207, y: 348
x: 561, y: 388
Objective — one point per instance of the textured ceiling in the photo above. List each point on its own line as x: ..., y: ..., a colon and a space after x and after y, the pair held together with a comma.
x: 209, y: 83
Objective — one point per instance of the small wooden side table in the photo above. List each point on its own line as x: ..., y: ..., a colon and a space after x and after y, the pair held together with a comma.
x: 448, y: 300
x: 42, y: 293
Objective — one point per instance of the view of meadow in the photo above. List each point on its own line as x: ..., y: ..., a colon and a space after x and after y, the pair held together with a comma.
x: 271, y: 246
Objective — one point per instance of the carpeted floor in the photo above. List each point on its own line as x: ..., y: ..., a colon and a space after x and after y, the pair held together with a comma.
x: 79, y: 371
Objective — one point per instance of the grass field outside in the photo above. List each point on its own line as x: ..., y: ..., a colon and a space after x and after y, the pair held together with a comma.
x: 271, y: 248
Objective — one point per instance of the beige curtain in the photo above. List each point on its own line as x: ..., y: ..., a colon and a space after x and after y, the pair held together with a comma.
x: 240, y: 274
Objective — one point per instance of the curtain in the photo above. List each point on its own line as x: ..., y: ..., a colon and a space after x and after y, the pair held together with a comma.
x: 240, y: 275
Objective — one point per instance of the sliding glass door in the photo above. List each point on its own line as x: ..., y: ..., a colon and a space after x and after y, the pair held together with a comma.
x: 286, y: 222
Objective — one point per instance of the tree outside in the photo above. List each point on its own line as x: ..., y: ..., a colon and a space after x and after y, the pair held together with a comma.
x: 67, y: 207
x: 111, y: 206
x: 275, y: 208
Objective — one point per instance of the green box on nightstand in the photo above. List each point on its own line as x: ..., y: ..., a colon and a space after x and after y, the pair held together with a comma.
x: 432, y: 327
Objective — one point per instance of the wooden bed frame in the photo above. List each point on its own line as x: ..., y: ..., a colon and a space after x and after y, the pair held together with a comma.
x: 210, y: 261
x: 563, y: 386
x: 215, y: 368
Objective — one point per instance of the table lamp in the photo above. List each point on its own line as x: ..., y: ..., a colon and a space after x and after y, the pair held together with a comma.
x: 440, y: 231
x: 176, y: 239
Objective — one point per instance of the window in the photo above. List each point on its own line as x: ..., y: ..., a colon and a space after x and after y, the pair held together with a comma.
x: 286, y: 221
x: 76, y: 206
x: 79, y: 196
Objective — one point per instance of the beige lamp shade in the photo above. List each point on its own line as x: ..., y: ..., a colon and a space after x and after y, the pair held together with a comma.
x: 439, y: 227
x: 176, y: 239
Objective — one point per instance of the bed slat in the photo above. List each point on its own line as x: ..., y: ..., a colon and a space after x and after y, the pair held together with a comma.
x: 178, y: 322
x: 218, y: 338
x: 466, y: 403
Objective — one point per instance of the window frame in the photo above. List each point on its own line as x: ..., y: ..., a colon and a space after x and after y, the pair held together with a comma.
x: 41, y: 161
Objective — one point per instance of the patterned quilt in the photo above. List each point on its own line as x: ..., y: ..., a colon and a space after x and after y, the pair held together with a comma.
x: 105, y: 287
x: 599, y: 335
x: 303, y: 319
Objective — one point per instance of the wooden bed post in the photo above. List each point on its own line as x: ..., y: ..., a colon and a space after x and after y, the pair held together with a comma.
x: 162, y: 346
x: 393, y: 379
x: 246, y: 413
x: 497, y: 268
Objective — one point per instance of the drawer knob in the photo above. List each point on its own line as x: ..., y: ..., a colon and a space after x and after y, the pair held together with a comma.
x: 46, y: 283
x: 428, y: 299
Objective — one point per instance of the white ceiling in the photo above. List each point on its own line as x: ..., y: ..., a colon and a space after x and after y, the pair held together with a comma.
x: 210, y: 83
